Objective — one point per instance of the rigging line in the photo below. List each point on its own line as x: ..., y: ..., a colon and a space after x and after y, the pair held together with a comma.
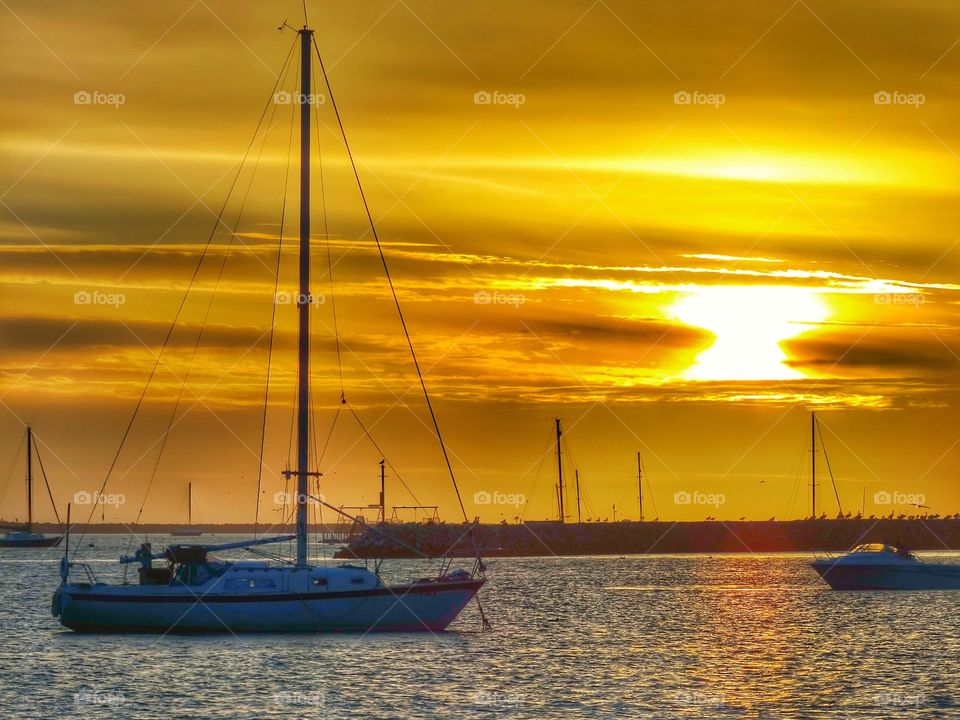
x: 393, y: 291
x: 585, y: 498
x: 329, y: 435
x: 183, y: 300
x: 375, y: 529
x: 571, y: 461
x: 829, y: 469
x: 36, y: 449
x: 293, y: 416
x: 322, y: 535
x: 287, y: 518
x: 9, y: 469
x: 206, y: 314
x: 319, y: 455
x: 273, y: 317
x: 653, y: 500
x: 587, y: 502
x: 643, y: 469
x: 797, y: 479
x: 183, y: 385
x: 311, y: 513
x: 326, y: 238
x: 536, y: 478
x: 314, y: 425
x: 313, y: 434
x: 382, y: 454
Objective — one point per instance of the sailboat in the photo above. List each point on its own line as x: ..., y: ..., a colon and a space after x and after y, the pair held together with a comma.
x: 23, y: 536
x: 189, y: 531
x: 193, y: 590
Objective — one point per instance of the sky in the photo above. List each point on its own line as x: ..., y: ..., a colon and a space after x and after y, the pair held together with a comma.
x: 678, y: 228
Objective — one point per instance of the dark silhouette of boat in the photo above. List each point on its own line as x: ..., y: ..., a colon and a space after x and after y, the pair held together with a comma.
x: 22, y: 536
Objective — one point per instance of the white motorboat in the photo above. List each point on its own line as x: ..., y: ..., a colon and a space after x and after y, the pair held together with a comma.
x: 885, y: 567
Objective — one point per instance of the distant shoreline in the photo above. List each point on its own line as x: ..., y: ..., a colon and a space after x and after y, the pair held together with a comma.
x: 167, y: 528
x: 625, y: 538
x: 545, y: 538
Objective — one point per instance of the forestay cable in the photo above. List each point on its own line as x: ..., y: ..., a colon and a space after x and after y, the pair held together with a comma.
x: 183, y: 301
x: 393, y: 291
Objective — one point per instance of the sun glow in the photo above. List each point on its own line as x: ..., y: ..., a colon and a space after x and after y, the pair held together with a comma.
x: 749, y: 323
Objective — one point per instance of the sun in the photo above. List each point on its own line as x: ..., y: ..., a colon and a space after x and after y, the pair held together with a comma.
x: 750, y: 323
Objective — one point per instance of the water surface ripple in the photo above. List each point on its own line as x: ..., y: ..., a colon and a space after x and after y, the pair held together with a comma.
x: 727, y: 636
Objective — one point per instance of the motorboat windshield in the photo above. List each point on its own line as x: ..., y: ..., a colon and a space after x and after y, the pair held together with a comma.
x: 884, y: 548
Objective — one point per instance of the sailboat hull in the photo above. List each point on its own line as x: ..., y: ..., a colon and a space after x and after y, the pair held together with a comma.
x: 416, y: 607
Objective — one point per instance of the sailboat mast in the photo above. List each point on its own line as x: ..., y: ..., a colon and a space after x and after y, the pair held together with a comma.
x: 813, y: 463
x: 189, y: 503
x: 576, y: 475
x: 640, y: 484
x: 383, y: 491
x: 303, y: 301
x: 29, y: 478
x: 559, y: 471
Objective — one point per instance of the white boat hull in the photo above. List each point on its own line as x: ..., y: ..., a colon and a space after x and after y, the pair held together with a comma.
x: 416, y: 607
x: 899, y: 576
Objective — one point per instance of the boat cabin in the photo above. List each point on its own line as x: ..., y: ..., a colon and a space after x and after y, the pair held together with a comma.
x: 884, y: 548
x: 186, y: 565
x: 195, y: 565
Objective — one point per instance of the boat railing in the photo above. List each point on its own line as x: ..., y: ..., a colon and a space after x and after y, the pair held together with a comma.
x: 87, y: 571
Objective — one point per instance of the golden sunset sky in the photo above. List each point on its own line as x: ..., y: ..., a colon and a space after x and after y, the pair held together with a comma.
x: 678, y: 227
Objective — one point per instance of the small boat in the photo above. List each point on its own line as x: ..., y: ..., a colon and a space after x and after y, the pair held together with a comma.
x: 28, y: 539
x: 194, y: 590
x: 885, y: 567
x: 23, y: 536
x: 188, y: 531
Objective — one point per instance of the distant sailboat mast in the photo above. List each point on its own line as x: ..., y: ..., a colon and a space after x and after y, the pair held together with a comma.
x: 188, y: 531
x: 559, y: 472
x: 383, y: 491
x: 813, y: 463
x: 29, y: 479
x: 640, y: 484
x: 576, y: 476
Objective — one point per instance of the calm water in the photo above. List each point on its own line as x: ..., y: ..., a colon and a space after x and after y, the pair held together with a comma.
x: 635, y: 637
